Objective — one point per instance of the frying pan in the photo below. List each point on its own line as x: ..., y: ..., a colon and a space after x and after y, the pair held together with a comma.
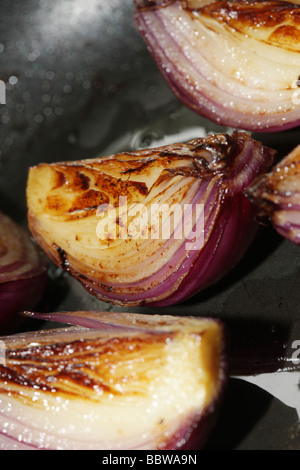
x: 80, y: 83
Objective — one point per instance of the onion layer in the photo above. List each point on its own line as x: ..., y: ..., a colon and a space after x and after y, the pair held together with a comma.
x: 185, y: 224
x: 277, y: 194
x: 23, y: 273
x: 131, y: 381
x: 236, y: 63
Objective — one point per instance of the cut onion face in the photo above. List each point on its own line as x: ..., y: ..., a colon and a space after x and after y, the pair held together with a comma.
x: 153, y: 226
x: 131, y: 382
x: 23, y: 273
x: 277, y: 194
x: 236, y: 63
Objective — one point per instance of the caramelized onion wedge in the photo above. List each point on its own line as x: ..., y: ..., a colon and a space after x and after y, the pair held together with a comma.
x: 196, y: 223
x: 23, y: 273
x: 168, y: 258
x: 236, y: 63
x: 133, y: 382
x: 277, y: 194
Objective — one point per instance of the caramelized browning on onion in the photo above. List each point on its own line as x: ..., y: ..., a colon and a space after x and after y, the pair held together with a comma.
x: 273, y: 22
x: 139, y: 384
x: 76, y: 371
x: 190, y: 197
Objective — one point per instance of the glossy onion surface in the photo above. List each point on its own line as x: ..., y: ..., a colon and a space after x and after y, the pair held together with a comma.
x: 236, y: 63
x: 198, y: 221
x: 132, y: 381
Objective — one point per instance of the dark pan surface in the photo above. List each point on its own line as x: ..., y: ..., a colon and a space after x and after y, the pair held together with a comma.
x: 80, y: 83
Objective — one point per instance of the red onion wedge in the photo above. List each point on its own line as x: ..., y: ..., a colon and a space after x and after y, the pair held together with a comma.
x: 133, y: 382
x: 277, y: 194
x: 23, y: 273
x: 185, y: 222
x: 236, y: 63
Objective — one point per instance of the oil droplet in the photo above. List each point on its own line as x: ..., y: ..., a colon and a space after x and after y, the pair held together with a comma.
x: 48, y: 111
x: 32, y: 56
x: 38, y: 118
x: 13, y: 80
x: 50, y: 75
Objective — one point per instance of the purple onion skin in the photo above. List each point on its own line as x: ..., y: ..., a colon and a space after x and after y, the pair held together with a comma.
x: 23, y: 274
x: 276, y: 194
x: 222, y: 246
x: 17, y: 295
x: 235, y: 228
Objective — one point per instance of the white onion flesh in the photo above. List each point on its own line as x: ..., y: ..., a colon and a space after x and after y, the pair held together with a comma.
x: 134, y: 382
x: 228, y: 60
